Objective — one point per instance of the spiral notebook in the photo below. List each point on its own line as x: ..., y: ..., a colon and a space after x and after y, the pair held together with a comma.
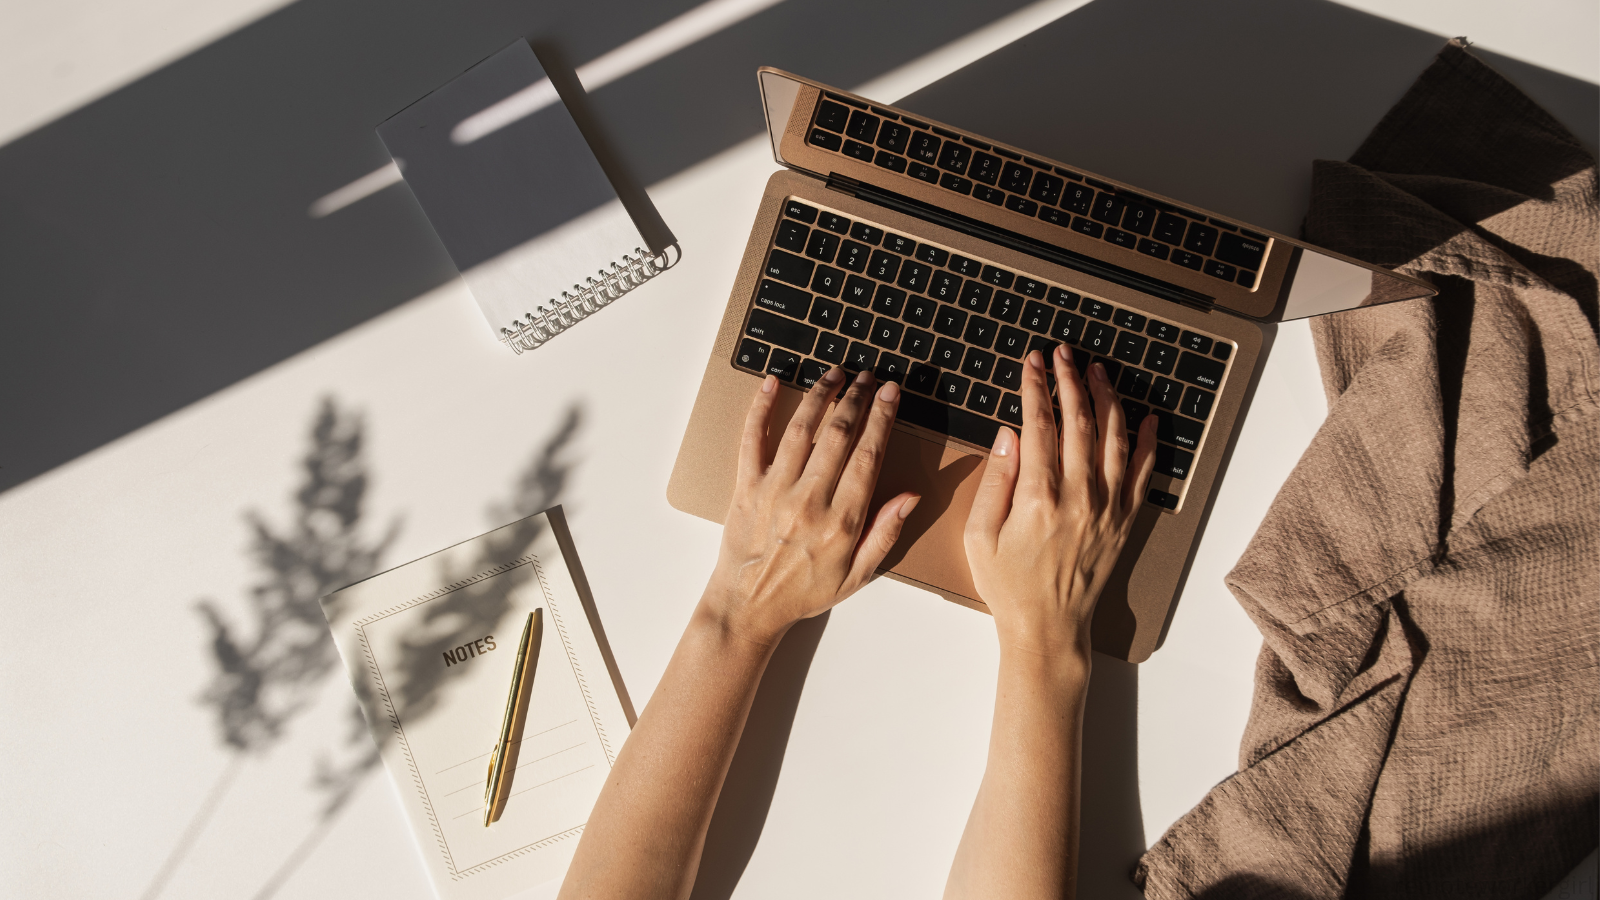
x: 544, y: 234
x: 431, y: 648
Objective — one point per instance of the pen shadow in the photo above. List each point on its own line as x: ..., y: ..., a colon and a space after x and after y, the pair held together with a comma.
x: 741, y: 811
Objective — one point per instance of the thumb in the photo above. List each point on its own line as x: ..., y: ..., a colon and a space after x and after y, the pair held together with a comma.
x: 879, y: 539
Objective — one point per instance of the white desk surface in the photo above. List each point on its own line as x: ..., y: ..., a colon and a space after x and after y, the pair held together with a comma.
x: 108, y: 753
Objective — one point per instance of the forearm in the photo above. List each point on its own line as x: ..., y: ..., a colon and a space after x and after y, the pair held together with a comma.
x: 646, y: 832
x: 1021, y: 840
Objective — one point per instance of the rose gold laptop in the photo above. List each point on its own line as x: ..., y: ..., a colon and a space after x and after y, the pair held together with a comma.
x: 937, y: 258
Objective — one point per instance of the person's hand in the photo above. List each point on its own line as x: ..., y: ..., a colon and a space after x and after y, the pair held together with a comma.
x: 1053, y: 511
x: 793, y: 545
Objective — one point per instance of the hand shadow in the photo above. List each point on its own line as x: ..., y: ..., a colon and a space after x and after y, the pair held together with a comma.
x: 746, y: 796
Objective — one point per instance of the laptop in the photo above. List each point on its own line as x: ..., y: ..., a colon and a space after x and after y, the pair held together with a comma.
x: 937, y: 258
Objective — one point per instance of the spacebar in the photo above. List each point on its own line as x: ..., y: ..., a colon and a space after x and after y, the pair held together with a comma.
x: 958, y: 423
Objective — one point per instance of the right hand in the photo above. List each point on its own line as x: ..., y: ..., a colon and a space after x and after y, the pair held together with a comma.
x: 1054, y: 511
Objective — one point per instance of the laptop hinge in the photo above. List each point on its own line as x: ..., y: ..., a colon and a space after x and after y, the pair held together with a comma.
x: 1022, y: 243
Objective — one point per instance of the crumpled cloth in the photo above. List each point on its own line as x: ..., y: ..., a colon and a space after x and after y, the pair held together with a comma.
x: 1426, y: 717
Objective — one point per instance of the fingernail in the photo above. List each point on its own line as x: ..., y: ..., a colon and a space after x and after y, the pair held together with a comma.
x: 864, y: 379
x: 888, y: 392
x: 1099, y: 372
x: 770, y: 382
x: 1036, y: 359
x: 1004, y: 440
x: 832, y: 376
x: 909, y: 505
x: 1061, y: 352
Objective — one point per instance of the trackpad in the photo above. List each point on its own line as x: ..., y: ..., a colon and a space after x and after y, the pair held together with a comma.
x: 930, y: 548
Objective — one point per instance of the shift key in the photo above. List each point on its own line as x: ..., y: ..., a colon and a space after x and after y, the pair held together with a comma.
x: 783, y: 332
x: 1199, y: 370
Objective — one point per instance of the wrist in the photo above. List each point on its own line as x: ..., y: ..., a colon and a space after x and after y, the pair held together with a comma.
x: 1066, y: 671
x: 723, y: 611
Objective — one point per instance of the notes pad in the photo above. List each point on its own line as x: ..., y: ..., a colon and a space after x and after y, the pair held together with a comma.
x: 430, y: 648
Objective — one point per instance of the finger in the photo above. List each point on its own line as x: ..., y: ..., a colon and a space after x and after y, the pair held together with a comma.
x: 1139, y: 469
x: 838, y: 435
x: 1077, y: 426
x: 878, y: 541
x: 1038, y: 473
x: 753, y: 443
x: 860, y: 475
x: 1111, y: 453
x: 992, y: 504
x: 795, y: 448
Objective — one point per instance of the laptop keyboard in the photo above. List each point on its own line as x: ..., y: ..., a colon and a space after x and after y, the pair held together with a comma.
x: 953, y: 330
x: 1036, y: 189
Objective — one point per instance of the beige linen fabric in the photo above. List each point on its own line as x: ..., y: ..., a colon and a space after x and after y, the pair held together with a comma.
x: 1426, y: 719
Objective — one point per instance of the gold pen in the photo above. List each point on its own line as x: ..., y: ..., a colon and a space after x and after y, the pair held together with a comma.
x: 516, y: 708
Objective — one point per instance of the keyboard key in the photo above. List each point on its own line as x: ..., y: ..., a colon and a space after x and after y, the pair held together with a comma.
x: 1055, y: 216
x: 790, y: 268
x: 920, y: 311
x: 1166, y: 393
x: 1078, y: 198
x: 964, y: 266
x: 887, y: 160
x: 1129, y: 348
x: 832, y: 116
x: 944, y: 286
x: 1201, y: 239
x: 891, y: 368
x: 825, y: 140
x: 888, y: 301
x: 1133, y: 413
x: 831, y: 347
x: 1098, y: 309
x: 980, y: 331
x: 862, y: 127
x: 825, y: 313
x: 1219, y: 270
x: 1006, y: 306
x: 953, y: 157
x: 947, y: 354
x: 1246, y: 278
x: 791, y: 236
x: 866, y: 234
x: 989, y: 194
x: 1036, y: 317
x: 985, y: 168
x: 811, y: 372
x: 949, y: 321
x: 936, y: 256
x: 780, y: 298
x: 1029, y: 287
x: 1012, y: 342
x: 1068, y: 327
x: 861, y: 358
x: 1161, y: 331
x: 1197, y: 403
x: 917, y: 344
x: 914, y: 276
x: 1016, y: 177
x: 1098, y: 338
x: 893, y: 137
x: 1046, y: 348
x: 783, y: 364
x: 752, y: 355
x: 900, y: 244
x: 828, y: 281
x: 924, y: 379
x: 1162, y: 499
x: 1022, y: 205
x: 955, y: 183
x: 957, y: 423
x: 1173, y: 461
x: 952, y: 388
x: 1064, y: 298
x: 1222, y: 351
x: 886, y: 332
x: 856, y: 323
x: 784, y: 332
x: 975, y: 296
x: 1184, y: 432
x: 924, y: 147
x: 858, y: 290
x: 1188, y: 260
x: 1169, y: 228
x: 1134, y: 383
x: 1199, y: 343
x: 984, y: 399
x: 860, y: 151
x: 1112, y: 367
x: 883, y: 266
x: 854, y: 256
x: 834, y: 222
x: 1107, y: 209
x: 1139, y: 219
x: 1046, y: 188
x: 794, y: 209
x: 998, y: 277
x: 1084, y: 226
x: 1241, y: 251
x: 1122, y: 238
x: 977, y: 364
x: 1161, y: 358
x: 1010, y: 408
x: 1153, y: 248
x: 1008, y: 373
x: 1127, y: 318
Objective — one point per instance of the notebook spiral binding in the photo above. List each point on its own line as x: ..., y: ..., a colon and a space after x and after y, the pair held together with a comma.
x: 533, y: 330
